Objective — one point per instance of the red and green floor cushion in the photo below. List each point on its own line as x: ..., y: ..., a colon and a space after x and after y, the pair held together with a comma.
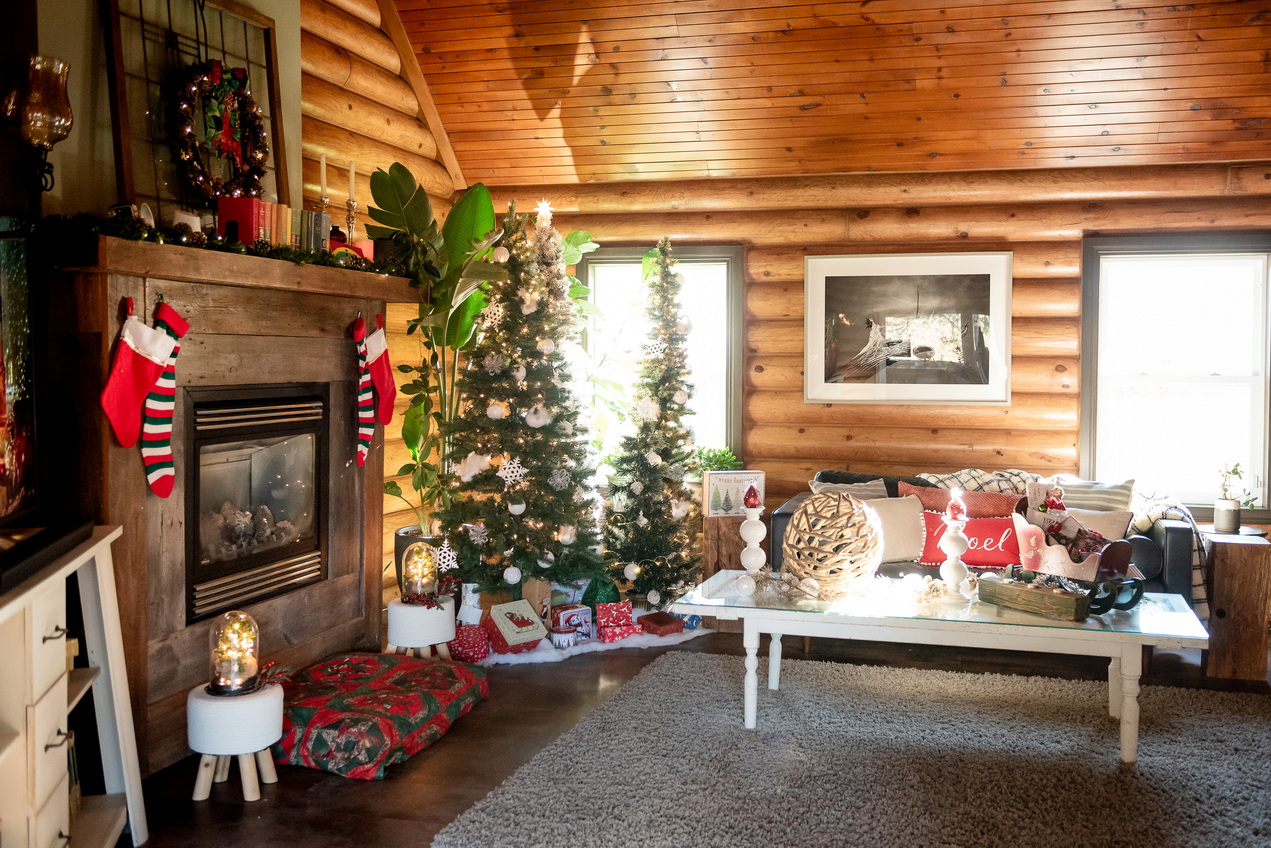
x: 356, y: 714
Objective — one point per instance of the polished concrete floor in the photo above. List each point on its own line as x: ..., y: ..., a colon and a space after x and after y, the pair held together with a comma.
x: 529, y: 706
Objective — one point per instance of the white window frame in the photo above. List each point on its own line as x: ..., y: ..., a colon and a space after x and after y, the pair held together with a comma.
x: 731, y: 256
x: 1097, y: 248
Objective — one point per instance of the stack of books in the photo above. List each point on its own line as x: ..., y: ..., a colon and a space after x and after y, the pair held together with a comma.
x: 250, y: 219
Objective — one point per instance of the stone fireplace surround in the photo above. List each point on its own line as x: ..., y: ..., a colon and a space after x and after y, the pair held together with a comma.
x: 252, y: 321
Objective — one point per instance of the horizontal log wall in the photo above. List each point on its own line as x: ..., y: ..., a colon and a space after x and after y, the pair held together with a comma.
x: 361, y: 101
x: 1039, y: 216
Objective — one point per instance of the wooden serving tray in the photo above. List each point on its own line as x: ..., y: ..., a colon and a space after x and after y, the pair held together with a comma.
x: 1023, y: 596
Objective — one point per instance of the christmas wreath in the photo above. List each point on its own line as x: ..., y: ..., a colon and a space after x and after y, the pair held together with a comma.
x: 232, y: 130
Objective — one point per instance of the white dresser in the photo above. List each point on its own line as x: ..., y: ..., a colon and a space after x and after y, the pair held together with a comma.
x: 37, y: 693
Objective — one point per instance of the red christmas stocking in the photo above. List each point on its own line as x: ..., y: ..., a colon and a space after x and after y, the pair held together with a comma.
x: 365, y: 404
x: 140, y: 358
x: 381, y: 373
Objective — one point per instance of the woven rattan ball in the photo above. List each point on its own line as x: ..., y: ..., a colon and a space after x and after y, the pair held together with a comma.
x: 835, y: 539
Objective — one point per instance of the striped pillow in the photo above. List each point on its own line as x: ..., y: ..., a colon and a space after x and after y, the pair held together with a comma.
x: 1087, y: 494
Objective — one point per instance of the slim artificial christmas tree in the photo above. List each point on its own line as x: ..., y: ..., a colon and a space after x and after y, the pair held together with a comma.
x: 521, y: 499
x: 651, y: 520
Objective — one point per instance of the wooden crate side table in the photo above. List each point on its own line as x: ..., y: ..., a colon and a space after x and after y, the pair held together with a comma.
x: 1239, y: 591
x: 242, y: 726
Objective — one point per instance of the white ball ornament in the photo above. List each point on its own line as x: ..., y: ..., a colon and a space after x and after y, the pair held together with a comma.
x: 518, y: 372
x: 567, y: 534
x: 546, y: 346
x: 500, y: 254
x: 745, y: 585
x: 537, y: 416
x: 680, y: 397
x: 495, y: 411
x: 516, y: 508
x: 512, y: 575
x: 684, y: 325
x: 631, y: 572
x: 637, y: 487
x: 567, y: 428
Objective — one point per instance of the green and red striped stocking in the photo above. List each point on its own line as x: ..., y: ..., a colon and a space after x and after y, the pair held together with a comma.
x: 156, y: 428
x: 365, y: 403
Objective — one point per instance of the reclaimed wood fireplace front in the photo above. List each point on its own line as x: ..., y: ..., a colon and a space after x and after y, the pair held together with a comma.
x: 254, y: 323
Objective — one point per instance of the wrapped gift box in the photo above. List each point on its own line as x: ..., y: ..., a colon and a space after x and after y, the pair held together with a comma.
x: 613, y: 615
x: 576, y: 616
x: 691, y: 622
x: 660, y: 623
x: 513, y: 627
x: 617, y: 632
x: 471, y: 643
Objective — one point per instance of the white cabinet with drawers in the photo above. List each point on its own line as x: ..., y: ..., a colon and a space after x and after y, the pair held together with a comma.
x: 37, y: 693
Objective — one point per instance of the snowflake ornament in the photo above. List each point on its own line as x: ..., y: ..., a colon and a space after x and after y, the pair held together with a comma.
x: 478, y: 534
x: 447, y: 559
x: 492, y: 314
x: 655, y: 597
x: 675, y: 471
x: 559, y: 480
x: 655, y: 350
x: 580, y: 494
x: 513, y: 472
x: 493, y: 363
x: 647, y: 409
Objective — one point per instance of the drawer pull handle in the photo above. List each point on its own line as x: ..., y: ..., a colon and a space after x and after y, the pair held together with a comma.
x: 59, y: 632
x: 66, y: 840
x: 65, y: 738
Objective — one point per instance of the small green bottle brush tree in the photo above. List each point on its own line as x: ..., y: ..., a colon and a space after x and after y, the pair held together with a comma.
x: 651, y: 520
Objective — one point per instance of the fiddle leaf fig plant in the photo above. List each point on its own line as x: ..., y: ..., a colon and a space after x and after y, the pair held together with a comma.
x: 450, y: 265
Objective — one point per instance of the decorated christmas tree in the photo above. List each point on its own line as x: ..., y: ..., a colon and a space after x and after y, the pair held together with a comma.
x: 521, y: 499
x: 651, y: 520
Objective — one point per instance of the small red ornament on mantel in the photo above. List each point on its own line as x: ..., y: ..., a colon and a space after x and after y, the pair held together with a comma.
x: 751, y: 499
x: 956, y: 510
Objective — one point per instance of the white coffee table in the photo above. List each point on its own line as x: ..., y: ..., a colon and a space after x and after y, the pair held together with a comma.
x: 888, y: 613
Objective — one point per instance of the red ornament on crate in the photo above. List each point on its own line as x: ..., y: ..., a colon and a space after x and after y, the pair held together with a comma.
x: 660, y: 623
x: 471, y: 643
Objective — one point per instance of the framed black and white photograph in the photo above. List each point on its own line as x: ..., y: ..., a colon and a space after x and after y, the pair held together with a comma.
x: 908, y: 328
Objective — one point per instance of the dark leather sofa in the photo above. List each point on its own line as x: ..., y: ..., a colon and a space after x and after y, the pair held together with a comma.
x: 1163, y: 555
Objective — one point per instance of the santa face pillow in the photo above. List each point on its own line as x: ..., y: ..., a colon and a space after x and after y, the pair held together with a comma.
x: 993, y: 543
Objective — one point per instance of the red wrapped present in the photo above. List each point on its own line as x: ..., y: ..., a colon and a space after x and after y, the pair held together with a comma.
x: 613, y: 615
x: 660, y: 623
x: 471, y: 643
x: 617, y: 632
x: 576, y: 616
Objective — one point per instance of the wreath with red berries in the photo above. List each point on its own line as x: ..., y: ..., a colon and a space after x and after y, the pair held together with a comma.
x: 232, y: 130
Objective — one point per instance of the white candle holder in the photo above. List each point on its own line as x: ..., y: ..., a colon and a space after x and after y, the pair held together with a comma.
x: 954, y: 543
x: 753, y: 559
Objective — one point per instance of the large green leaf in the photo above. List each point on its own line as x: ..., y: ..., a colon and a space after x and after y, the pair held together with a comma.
x: 646, y: 264
x: 461, y: 328
x: 469, y: 219
x: 413, y: 424
x: 574, y: 245
x: 400, y: 203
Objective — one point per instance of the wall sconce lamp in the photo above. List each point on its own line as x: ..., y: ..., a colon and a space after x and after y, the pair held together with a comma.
x: 38, y: 111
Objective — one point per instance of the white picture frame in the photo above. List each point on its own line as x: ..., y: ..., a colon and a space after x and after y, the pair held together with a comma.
x: 908, y: 328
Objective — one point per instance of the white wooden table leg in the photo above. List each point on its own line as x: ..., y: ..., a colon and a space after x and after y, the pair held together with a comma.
x: 1131, y: 670
x: 1114, y: 687
x: 750, y: 640
x: 265, y: 765
x: 247, y: 772
x: 203, y: 783
x: 774, y: 661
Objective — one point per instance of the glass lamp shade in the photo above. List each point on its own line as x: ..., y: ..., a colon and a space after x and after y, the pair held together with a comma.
x: 419, y: 570
x: 40, y: 110
x: 235, y: 654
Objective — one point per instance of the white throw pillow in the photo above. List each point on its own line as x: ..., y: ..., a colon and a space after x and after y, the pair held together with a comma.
x: 903, y: 528
x: 1110, y: 524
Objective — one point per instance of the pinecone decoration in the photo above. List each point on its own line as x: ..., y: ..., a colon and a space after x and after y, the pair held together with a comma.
x: 261, y: 246
x: 834, y: 539
x: 198, y: 238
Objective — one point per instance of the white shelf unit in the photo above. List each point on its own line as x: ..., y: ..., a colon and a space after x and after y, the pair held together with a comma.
x: 39, y: 693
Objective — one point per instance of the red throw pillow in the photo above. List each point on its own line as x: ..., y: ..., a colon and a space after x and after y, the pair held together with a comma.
x: 978, y: 504
x: 993, y: 542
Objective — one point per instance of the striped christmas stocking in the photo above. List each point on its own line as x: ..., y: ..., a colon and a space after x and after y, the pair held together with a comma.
x: 365, y: 403
x: 156, y: 428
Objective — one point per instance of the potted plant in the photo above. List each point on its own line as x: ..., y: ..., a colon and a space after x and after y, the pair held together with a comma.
x: 1230, y: 499
x: 711, y: 459
x: 449, y: 265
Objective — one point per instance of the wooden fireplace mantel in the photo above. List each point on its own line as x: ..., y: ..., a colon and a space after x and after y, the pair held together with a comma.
x: 252, y: 321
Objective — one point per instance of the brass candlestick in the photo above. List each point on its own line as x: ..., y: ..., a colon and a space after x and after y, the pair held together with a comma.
x: 352, y: 205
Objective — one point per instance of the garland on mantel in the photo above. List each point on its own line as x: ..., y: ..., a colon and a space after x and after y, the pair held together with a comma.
x: 56, y: 230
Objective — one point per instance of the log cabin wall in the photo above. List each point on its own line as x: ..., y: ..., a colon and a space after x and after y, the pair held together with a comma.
x: 364, y: 100
x: 1039, y: 215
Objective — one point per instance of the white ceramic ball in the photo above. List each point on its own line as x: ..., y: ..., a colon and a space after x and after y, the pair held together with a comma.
x: 753, y: 531
x: 745, y: 585
x: 512, y: 575
x: 516, y: 508
x: 631, y: 571
x: 684, y: 325
x: 495, y: 411
x: 501, y: 254
x: 753, y: 559
x: 518, y: 372
x: 546, y: 346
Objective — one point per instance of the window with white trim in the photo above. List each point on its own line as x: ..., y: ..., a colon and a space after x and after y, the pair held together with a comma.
x: 1175, y: 362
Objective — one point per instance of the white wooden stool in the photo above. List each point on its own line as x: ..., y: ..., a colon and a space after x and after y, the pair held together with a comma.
x: 418, y: 630
x: 223, y: 726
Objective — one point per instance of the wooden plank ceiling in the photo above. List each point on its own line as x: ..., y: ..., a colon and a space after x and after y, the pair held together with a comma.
x: 560, y: 91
